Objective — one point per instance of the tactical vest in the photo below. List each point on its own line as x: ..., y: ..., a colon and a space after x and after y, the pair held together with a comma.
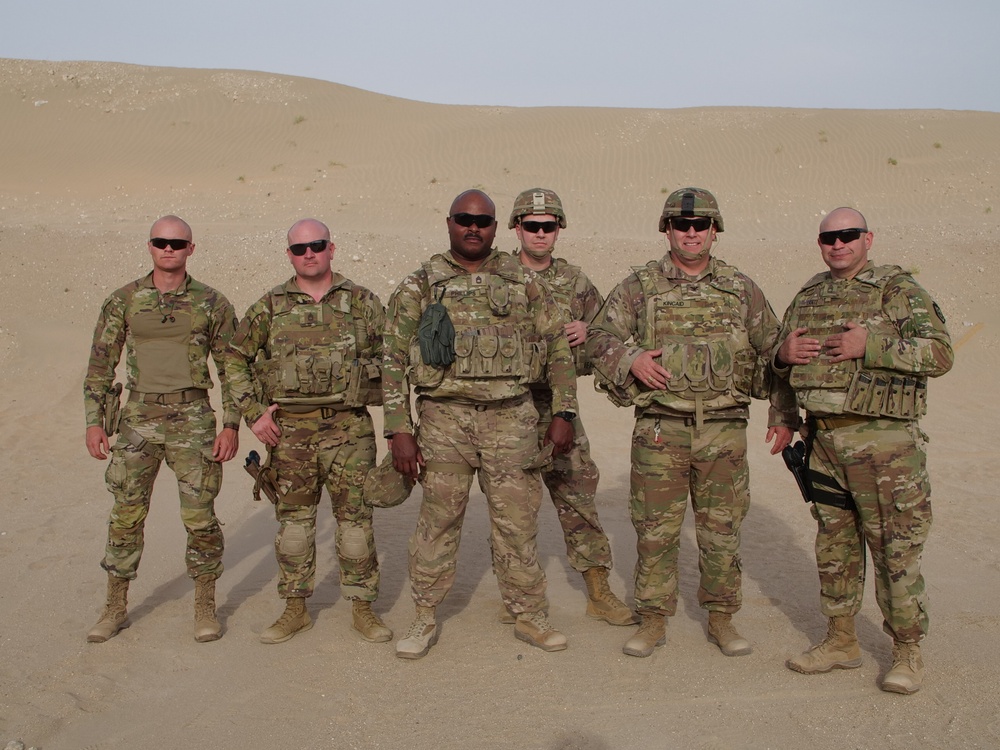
x: 315, y: 358
x: 701, y: 328
x: 823, y: 306
x: 563, y: 286
x: 496, y: 348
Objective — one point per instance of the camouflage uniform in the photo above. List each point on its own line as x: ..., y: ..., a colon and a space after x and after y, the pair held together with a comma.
x: 867, y: 437
x: 168, y: 337
x: 319, y: 361
x: 717, y: 332
x: 477, y: 414
x: 572, y: 478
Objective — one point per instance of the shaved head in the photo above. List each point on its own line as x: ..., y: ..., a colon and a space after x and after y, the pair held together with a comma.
x: 843, y: 217
x: 172, y: 226
x: 315, y: 228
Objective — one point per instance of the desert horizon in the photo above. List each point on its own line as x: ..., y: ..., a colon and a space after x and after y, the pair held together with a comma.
x: 93, y: 153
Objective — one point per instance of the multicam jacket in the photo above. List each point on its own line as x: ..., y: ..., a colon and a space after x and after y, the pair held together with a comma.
x: 294, y: 351
x: 717, y: 333
x: 167, y: 336
x: 907, y: 343
x: 508, y: 333
x: 578, y: 299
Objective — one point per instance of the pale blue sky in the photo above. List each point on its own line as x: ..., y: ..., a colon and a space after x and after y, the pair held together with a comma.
x: 874, y: 54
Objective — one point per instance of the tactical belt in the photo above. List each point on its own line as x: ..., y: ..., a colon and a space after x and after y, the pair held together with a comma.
x: 323, y: 412
x: 688, y: 421
x: 486, y: 405
x: 839, y: 420
x: 187, y: 396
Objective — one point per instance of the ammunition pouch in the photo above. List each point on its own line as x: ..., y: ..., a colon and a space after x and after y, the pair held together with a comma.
x: 883, y: 394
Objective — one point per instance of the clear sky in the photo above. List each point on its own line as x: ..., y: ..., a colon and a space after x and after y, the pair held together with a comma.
x: 868, y: 54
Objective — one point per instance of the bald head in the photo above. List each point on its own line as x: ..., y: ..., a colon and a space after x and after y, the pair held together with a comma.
x: 312, y: 229
x: 843, y: 218
x: 171, y: 227
x: 844, y: 242
x: 477, y: 197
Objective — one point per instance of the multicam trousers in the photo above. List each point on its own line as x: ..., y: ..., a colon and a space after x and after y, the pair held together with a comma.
x: 883, y: 464
x: 336, y: 451
x: 186, y: 435
x: 670, y: 460
x: 497, y: 439
x: 572, y: 483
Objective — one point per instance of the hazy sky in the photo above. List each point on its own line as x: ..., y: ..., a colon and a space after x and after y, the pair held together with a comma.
x: 874, y: 54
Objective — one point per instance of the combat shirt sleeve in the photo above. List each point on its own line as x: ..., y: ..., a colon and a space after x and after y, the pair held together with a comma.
x: 764, y: 329
x: 222, y: 326
x: 402, y: 322
x: 920, y: 343
x: 549, y: 321
x: 248, y: 340
x: 612, y: 339
x: 588, y: 300
x: 105, y: 352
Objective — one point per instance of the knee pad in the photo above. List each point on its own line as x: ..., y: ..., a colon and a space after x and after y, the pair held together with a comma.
x: 293, y: 540
x: 353, y: 542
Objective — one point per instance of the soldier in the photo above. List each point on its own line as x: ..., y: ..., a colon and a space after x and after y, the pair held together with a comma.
x: 572, y: 478
x: 687, y: 340
x: 311, y: 349
x: 168, y: 324
x: 858, y: 344
x: 468, y: 331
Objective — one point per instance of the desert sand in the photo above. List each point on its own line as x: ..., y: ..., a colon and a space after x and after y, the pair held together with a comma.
x: 92, y: 153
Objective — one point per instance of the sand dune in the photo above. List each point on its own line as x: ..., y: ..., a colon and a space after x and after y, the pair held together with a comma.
x: 91, y: 153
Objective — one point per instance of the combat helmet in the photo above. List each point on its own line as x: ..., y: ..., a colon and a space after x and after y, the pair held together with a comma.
x: 385, y: 487
x: 537, y: 201
x: 691, y: 201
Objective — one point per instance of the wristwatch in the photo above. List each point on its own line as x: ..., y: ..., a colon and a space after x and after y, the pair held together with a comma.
x: 567, y: 415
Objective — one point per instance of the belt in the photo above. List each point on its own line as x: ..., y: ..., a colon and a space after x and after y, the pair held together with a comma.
x: 836, y: 421
x: 187, y: 396
x: 483, y: 405
x: 689, y: 421
x: 322, y: 412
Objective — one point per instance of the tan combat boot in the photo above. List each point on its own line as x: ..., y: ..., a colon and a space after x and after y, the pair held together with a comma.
x: 602, y: 604
x: 423, y: 634
x: 368, y: 624
x: 206, y: 624
x: 839, y: 650
x: 115, y: 616
x: 534, y: 628
x: 722, y: 633
x: 295, y: 619
x: 907, y: 673
x: 652, y: 632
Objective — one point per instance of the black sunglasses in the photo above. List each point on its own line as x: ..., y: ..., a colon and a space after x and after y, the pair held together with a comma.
x: 844, y: 235
x: 160, y: 243
x: 700, y: 223
x: 532, y: 227
x: 317, y: 246
x: 467, y: 220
